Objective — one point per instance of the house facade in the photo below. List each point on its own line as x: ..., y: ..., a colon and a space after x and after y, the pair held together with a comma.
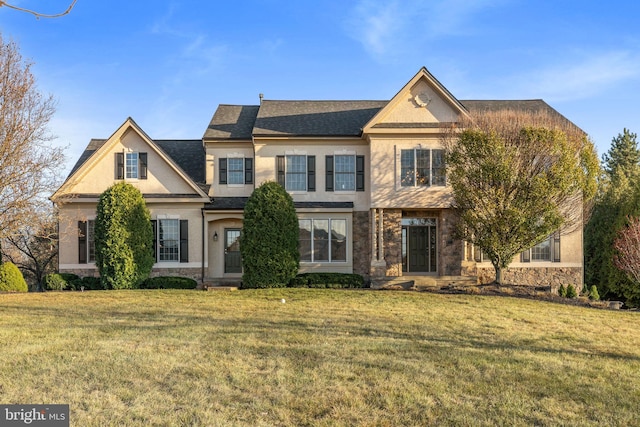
x: 367, y: 178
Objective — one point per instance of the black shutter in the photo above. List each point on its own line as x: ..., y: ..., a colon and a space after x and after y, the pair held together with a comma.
x: 184, y: 240
x: 311, y: 173
x: 82, y: 242
x: 556, y: 246
x: 154, y: 225
x: 119, y: 165
x: 223, y: 170
x: 329, y: 173
x: 526, y: 256
x: 359, y: 173
x: 280, y: 170
x: 142, y: 158
x: 248, y: 171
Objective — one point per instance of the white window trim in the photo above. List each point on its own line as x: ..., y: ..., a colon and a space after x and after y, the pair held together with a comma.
x: 288, y: 153
x: 167, y: 263
x: 137, y: 153
x: 345, y: 152
x: 330, y: 220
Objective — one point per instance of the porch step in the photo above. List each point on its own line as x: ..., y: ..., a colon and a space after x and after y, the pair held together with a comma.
x: 421, y: 283
x: 222, y: 284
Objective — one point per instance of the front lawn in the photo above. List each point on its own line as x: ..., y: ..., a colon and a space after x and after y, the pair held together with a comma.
x: 324, y: 357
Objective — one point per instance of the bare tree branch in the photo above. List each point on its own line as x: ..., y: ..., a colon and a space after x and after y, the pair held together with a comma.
x: 38, y: 15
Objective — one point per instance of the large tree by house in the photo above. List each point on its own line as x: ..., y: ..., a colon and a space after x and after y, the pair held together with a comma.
x: 517, y: 177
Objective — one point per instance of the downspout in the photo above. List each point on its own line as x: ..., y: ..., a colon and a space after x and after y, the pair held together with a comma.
x: 203, y: 243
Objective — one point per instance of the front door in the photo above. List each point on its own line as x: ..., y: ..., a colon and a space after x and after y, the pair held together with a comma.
x: 232, y: 258
x: 420, y: 248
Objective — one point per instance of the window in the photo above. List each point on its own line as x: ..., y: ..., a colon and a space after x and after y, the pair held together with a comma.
x: 171, y: 239
x: 86, y: 241
x: 323, y: 240
x: 236, y: 171
x: 344, y: 173
x: 548, y: 250
x: 131, y: 165
x: 296, y: 172
x: 422, y: 168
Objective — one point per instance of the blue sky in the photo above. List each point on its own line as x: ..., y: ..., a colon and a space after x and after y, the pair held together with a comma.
x: 168, y: 64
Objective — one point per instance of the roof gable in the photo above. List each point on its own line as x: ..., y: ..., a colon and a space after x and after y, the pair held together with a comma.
x: 94, y: 171
x: 422, y: 102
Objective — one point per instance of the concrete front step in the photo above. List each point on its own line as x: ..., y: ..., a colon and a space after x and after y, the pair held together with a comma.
x: 422, y: 282
x: 222, y: 284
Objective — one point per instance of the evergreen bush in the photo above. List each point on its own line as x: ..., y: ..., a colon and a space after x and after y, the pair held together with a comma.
x: 327, y: 280
x: 562, y: 291
x: 59, y: 281
x: 168, y: 282
x: 571, y: 292
x: 11, y: 279
x: 123, y: 237
x: 593, y: 293
x: 269, y: 239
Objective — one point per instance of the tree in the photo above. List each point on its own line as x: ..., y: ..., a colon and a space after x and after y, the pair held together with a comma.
x: 123, y: 237
x: 627, y: 257
x: 29, y: 165
x: 269, y: 239
x: 618, y: 198
x: 34, y: 248
x: 516, y: 178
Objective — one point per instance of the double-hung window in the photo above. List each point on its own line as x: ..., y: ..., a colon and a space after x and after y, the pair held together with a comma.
x: 344, y: 172
x: 168, y: 240
x: 323, y: 240
x: 131, y: 165
x: 171, y: 239
x: 422, y: 168
x: 548, y: 250
x: 296, y: 172
x: 235, y: 170
x: 86, y: 241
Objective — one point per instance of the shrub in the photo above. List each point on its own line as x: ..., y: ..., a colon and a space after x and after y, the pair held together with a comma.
x: 123, y: 237
x: 87, y: 283
x: 11, y: 279
x: 59, y: 281
x: 327, y: 280
x: 169, y: 282
x: 571, y: 292
x: 562, y: 291
x: 269, y: 239
x: 593, y: 293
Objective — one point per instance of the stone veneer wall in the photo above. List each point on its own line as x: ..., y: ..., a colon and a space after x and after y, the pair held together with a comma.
x: 194, y: 273
x: 393, y: 241
x: 534, y: 276
x: 450, y: 250
x: 361, y: 243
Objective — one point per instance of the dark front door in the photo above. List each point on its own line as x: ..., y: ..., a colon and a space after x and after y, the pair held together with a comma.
x: 232, y: 258
x: 420, y: 249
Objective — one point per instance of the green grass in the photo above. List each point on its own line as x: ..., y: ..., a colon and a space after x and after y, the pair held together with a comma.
x: 324, y: 358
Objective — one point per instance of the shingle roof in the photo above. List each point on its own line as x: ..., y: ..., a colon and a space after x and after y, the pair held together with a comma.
x: 314, y: 118
x: 232, y: 122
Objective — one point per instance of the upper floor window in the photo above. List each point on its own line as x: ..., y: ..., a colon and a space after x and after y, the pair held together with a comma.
x: 296, y: 172
x: 422, y: 168
x: 131, y: 165
x: 235, y: 170
x: 344, y: 172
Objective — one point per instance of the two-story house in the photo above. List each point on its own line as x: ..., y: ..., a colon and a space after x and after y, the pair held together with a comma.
x: 367, y: 178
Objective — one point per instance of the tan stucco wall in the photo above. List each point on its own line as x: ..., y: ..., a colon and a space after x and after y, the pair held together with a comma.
x: 385, y: 175
x: 215, y: 151
x: 71, y: 213
x: 162, y: 179
x: 407, y: 109
x: 266, y: 167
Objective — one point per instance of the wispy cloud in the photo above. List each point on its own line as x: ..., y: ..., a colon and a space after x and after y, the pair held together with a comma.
x: 389, y: 27
x: 582, y: 78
